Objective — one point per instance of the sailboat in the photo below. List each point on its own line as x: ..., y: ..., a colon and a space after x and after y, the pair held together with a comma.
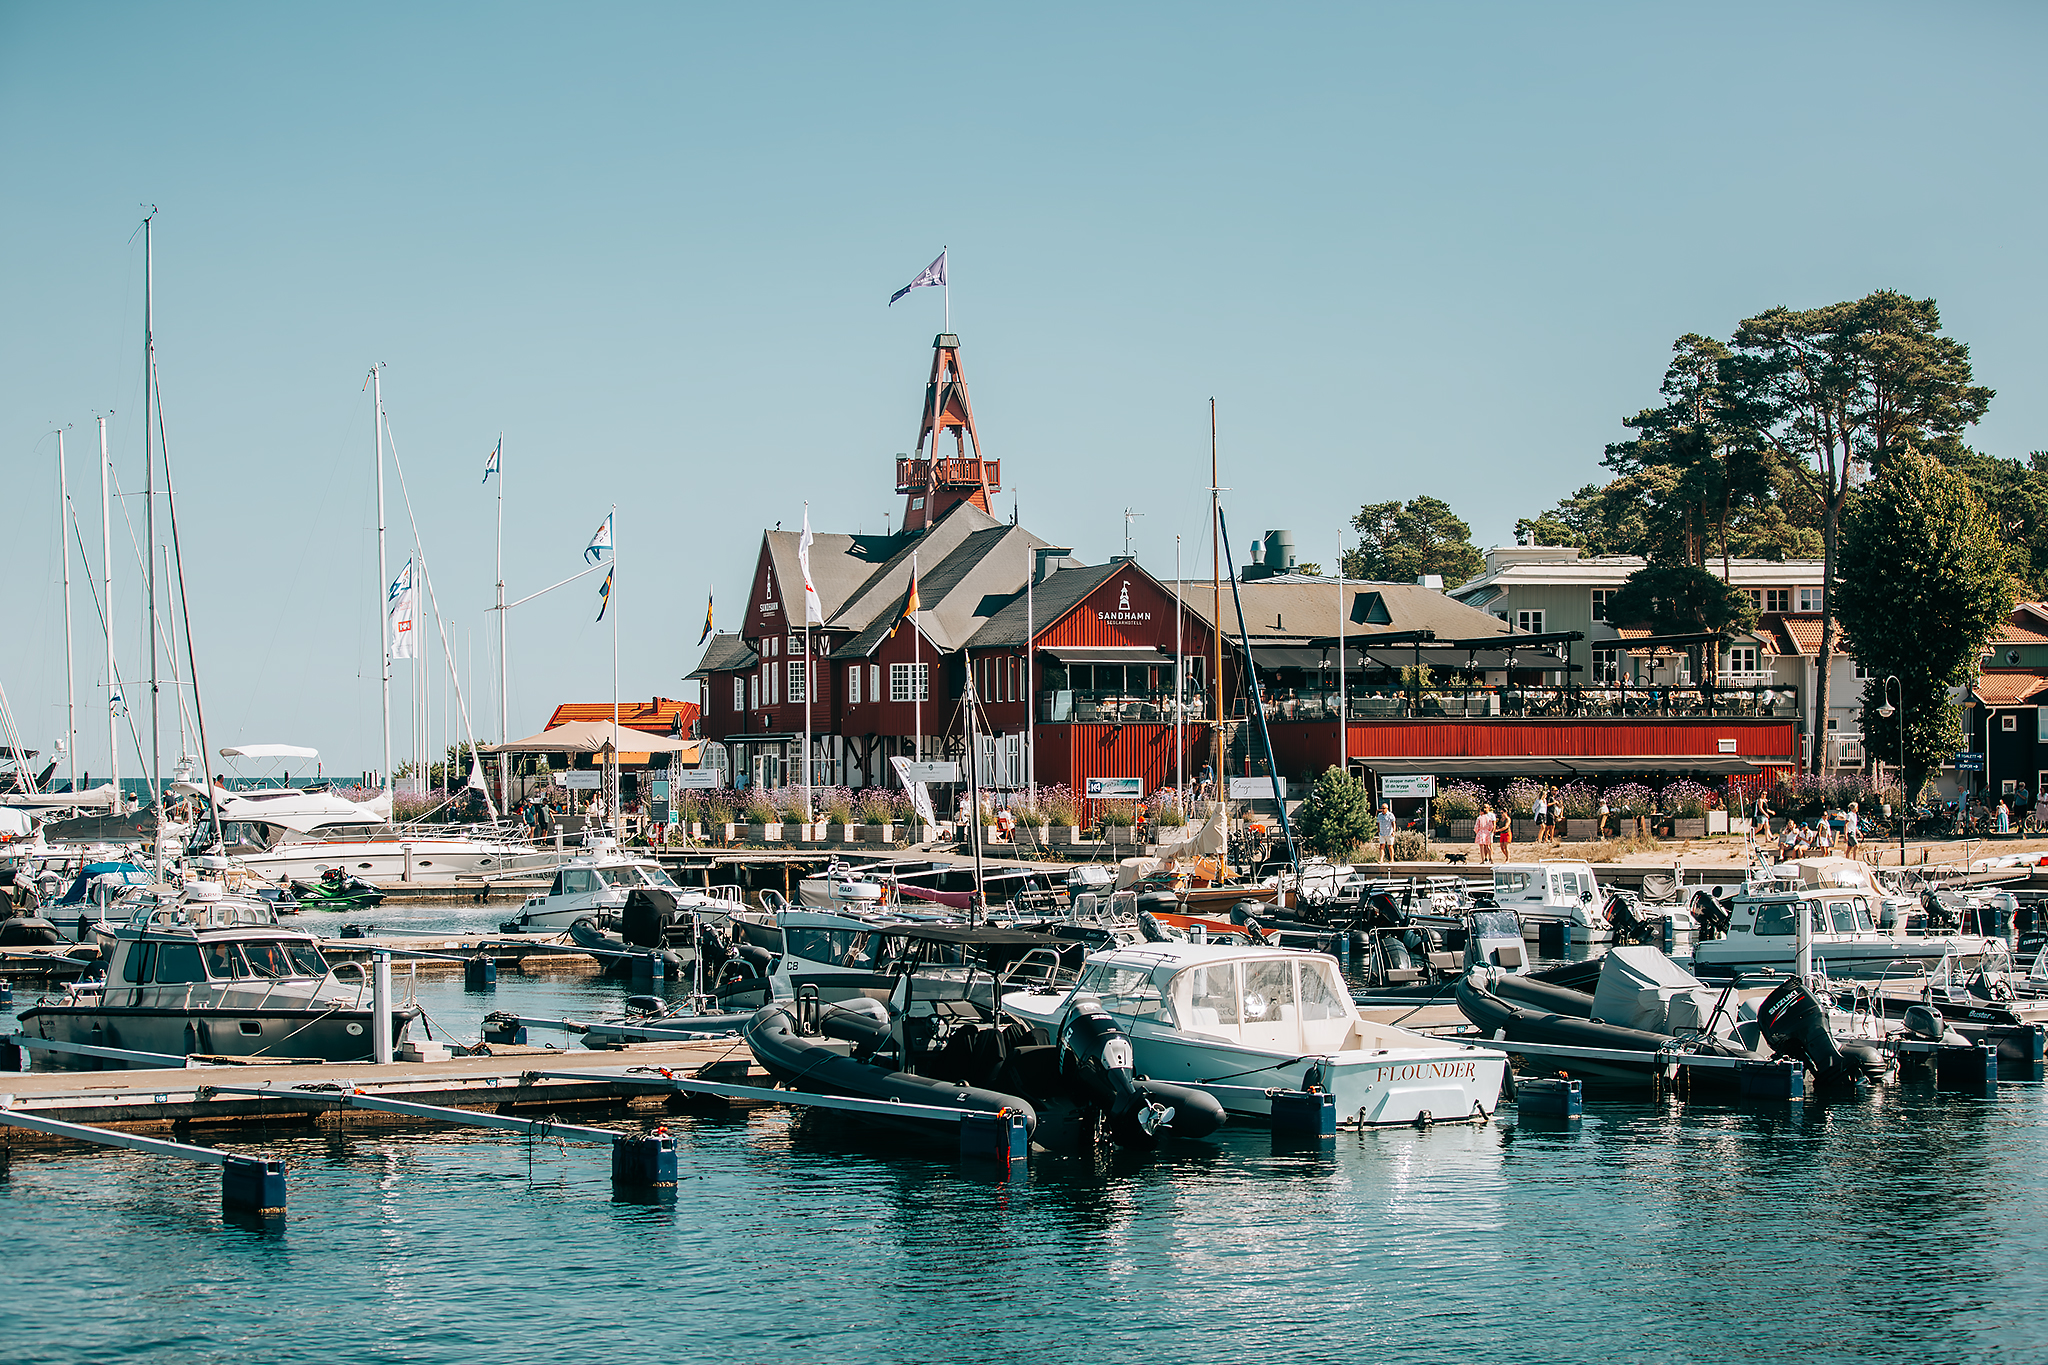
x: 304, y: 834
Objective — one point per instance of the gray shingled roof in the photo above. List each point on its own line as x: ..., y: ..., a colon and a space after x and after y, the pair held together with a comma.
x: 1297, y: 608
x: 724, y: 652
x: 980, y: 574
x: 1055, y: 597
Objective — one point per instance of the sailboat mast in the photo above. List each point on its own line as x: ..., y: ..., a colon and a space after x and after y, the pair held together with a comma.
x: 107, y: 581
x: 612, y: 600
x: 504, y: 668
x: 156, y: 758
x: 383, y: 585
x: 70, y: 671
x: 1216, y: 609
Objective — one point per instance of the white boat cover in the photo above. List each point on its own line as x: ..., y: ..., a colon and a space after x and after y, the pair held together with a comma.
x: 1637, y: 986
x: 270, y: 751
x: 15, y: 823
x: 1824, y: 872
x: 92, y: 798
x: 591, y: 737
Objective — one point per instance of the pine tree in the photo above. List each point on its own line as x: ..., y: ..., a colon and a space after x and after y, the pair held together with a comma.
x: 1337, y: 816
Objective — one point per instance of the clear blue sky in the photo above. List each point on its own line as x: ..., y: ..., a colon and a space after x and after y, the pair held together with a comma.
x: 1416, y: 249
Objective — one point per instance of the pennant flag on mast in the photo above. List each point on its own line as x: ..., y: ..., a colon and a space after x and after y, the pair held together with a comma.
x: 909, y: 606
x: 707, y: 619
x: 491, y: 465
x: 400, y: 615
x: 933, y: 274
x: 814, y: 611
x: 604, y: 594
x: 602, y: 541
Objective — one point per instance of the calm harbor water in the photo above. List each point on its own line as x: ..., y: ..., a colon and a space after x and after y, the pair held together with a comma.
x: 1904, y: 1225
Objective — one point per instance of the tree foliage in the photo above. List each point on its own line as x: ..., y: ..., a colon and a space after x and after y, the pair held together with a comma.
x: 1923, y: 588
x: 1399, y: 542
x: 1337, y: 816
x: 2015, y: 497
x: 1839, y: 393
x: 1681, y: 599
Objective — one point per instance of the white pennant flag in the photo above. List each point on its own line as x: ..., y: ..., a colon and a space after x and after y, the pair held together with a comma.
x: 933, y: 274
x: 602, y: 541
x: 814, y: 610
x: 401, y: 616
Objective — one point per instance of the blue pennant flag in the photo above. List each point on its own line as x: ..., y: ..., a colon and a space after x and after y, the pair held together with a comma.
x: 491, y: 465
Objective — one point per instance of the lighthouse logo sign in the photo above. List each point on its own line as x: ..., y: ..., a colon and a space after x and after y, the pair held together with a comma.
x: 1123, y: 610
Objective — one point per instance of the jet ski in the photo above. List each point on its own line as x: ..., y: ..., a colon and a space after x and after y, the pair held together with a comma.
x: 335, y: 890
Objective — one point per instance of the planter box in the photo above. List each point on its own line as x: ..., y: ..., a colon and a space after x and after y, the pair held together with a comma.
x: 1689, y: 827
x: 1717, y: 822
x: 1453, y: 830
x: 1524, y: 828
x: 761, y: 834
x: 845, y: 834
x: 1120, y: 835
x: 1030, y: 837
x: 878, y: 834
x: 1581, y: 831
x: 729, y: 833
x: 1059, y: 835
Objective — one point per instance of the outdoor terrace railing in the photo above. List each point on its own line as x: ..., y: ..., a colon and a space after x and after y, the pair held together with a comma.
x: 1116, y: 707
x: 1439, y: 703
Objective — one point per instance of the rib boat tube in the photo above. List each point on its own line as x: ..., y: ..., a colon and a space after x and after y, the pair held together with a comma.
x: 810, y: 1064
x: 1095, y: 1053
x: 615, y: 952
x: 1533, y: 1024
x: 1539, y: 996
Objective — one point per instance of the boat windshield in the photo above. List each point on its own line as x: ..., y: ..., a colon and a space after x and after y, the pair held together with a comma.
x: 276, y: 959
x: 835, y: 947
x: 1123, y: 990
x: 1859, y: 909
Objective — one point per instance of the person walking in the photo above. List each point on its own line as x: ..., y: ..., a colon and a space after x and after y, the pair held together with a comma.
x: 1541, y: 812
x: 2004, y: 818
x: 1482, y: 834
x: 1604, y: 813
x: 1852, y: 829
x: 1386, y: 823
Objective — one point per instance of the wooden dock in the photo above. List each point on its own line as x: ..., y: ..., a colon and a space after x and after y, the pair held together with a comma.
x: 506, y: 1080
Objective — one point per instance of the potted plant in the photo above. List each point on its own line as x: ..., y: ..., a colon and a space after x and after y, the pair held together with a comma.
x: 1520, y: 798
x: 719, y: 818
x: 838, y: 811
x: 1118, y: 820
x: 877, y: 811
x: 1457, y: 808
x: 1686, y: 802
x: 1062, y: 814
x: 1581, y: 811
x: 764, y: 821
x: 1031, y: 822
x: 1629, y: 804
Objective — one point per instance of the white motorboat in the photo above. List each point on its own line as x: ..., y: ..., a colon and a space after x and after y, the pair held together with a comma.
x: 1239, y: 1023
x: 1560, y: 892
x: 1763, y: 934
x: 198, y: 971
x: 840, y: 887
x: 596, y: 886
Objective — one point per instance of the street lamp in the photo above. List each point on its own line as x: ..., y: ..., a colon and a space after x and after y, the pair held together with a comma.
x: 1888, y: 711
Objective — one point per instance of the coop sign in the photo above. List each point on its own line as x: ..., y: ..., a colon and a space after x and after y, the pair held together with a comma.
x: 1407, y: 788
x: 1123, y: 610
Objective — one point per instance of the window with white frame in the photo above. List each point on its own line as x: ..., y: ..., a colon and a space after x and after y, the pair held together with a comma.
x: 1530, y: 622
x: 1756, y: 597
x: 1742, y: 659
x: 739, y: 693
x: 1861, y: 671
x: 853, y: 684
x: 773, y: 685
x: 799, y: 681
x: 2008, y: 723
x: 754, y: 692
x: 1809, y: 599
x: 875, y: 681
x: 1777, y: 599
x: 1606, y: 665
x: 909, y: 682
x: 1600, y: 596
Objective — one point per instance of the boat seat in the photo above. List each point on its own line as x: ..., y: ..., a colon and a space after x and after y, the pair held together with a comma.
x: 1403, y: 975
x: 1447, y: 962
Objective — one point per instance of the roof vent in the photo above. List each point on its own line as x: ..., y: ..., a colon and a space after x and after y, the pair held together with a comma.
x: 1434, y: 581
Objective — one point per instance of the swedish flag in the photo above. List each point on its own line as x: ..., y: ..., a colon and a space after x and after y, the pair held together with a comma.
x: 604, y: 594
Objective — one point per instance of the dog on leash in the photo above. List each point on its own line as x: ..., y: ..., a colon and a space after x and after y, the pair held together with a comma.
x: 1456, y: 857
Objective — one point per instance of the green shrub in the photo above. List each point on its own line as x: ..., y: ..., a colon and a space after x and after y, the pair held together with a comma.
x: 1410, y: 846
x: 1337, y: 814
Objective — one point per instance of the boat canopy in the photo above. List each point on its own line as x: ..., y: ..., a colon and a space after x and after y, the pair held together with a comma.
x: 101, y: 796
x: 269, y: 751
x: 591, y: 737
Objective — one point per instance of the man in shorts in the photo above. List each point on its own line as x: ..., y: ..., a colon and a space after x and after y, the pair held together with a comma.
x: 1386, y: 822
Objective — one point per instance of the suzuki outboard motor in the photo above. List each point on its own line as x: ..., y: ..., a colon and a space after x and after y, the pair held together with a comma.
x: 1796, y: 1025
x: 1628, y: 925
x: 1095, y: 1053
x: 1925, y: 1022
x: 644, y: 920
x: 712, y: 947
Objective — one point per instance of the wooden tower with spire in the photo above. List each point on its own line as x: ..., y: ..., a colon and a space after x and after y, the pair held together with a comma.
x: 932, y: 481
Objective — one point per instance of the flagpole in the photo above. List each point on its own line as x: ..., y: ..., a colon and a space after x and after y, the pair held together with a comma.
x: 1343, y: 735
x: 809, y: 683
x: 618, y: 820
x: 1030, y: 697
x: 917, y: 657
x: 384, y: 591
x: 947, y: 290
x: 504, y: 669
x: 70, y: 674
x: 107, y: 583
x: 1180, y: 692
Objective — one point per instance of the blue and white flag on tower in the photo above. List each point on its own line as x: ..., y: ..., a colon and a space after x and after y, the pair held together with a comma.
x: 933, y: 274
x: 602, y: 541
x: 400, y: 616
x: 491, y: 465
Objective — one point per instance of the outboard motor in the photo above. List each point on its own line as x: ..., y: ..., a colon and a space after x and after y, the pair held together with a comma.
x: 1245, y: 915
x: 1710, y: 915
x: 1925, y: 1022
x: 1150, y: 927
x: 643, y: 922
x: 713, y: 949
x: 1628, y: 925
x: 1386, y: 911
x: 1795, y: 1024
x: 1095, y: 1053
x: 1939, y: 916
